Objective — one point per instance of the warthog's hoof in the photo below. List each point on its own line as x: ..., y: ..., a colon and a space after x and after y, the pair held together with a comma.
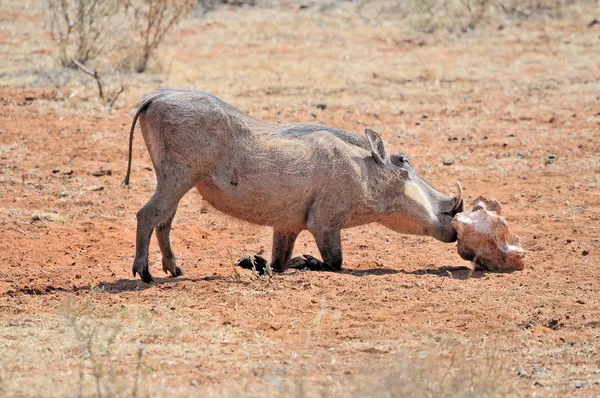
x: 256, y: 263
x: 144, y: 274
x: 172, y: 269
x: 310, y: 263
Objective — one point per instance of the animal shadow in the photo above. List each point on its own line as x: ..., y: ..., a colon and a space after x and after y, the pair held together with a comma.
x: 370, y: 271
x: 453, y: 272
x: 136, y: 285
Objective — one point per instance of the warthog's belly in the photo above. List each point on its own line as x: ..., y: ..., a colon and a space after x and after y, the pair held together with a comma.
x: 256, y: 206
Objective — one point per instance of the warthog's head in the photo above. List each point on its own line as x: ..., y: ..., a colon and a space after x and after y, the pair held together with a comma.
x: 408, y: 204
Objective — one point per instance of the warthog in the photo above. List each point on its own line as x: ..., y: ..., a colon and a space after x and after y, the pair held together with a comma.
x: 291, y: 178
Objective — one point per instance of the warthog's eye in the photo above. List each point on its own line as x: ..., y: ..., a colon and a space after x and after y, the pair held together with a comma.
x: 400, y: 160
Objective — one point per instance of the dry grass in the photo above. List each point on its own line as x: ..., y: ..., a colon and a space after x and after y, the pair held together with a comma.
x: 133, y: 352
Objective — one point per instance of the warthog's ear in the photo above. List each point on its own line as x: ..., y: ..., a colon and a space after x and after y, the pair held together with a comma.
x: 377, y: 148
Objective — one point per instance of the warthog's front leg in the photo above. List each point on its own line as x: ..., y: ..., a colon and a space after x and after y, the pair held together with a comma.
x: 330, y: 247
x: 163, y: 235
x: 283, y: 246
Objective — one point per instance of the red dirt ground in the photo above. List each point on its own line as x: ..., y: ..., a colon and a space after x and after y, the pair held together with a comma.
x: 66, y: 226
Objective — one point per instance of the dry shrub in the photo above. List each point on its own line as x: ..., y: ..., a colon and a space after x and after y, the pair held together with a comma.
x: 150, y: 20
x: 89, y: 29
x: 466, y: 15
x: 79, y: 27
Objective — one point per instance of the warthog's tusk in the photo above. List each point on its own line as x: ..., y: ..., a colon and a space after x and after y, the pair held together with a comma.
x: 458, y: 198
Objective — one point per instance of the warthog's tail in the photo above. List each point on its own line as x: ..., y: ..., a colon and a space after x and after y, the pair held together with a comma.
x: 143, y: 106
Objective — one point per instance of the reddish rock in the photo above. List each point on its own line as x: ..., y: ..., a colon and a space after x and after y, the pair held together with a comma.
x: 484, y: 238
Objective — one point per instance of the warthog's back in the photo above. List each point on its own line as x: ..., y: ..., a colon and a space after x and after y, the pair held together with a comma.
x: 256, y: 171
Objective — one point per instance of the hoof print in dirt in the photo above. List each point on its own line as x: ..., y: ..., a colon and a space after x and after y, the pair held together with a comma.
x: 256, y: 263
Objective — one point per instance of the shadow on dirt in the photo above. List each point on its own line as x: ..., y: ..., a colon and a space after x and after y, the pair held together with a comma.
x: 371, y: 271
x: 136, y: 285
x: 453, y: 272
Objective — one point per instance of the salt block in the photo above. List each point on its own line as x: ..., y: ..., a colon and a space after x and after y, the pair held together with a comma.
x: 483, y: 237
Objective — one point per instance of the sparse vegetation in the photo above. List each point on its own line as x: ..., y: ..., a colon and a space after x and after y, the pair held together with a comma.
x: 81, y: 28
x: 468, y: 15
x: 150, y: 21
x: 85, y: 29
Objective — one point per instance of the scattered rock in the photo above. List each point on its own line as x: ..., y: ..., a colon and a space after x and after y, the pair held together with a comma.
x: 521, y: 372
x: 96, y: 188
x: 593, y: 22
x: 484, y: 238
x: 449, y: 161
x: 425, y: 115
x: 101, y: 173
x: 54, y: 171
x: 322, y: 106
x: 585, y: 253
x: 554, y: 324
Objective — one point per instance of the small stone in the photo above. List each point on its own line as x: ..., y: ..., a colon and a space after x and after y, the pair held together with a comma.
x: 551, y: 159
x: 321, y: 106
x: 449, y: 161
x: 54, y: 171
x: 505, y: 144
x: 96, y: 188
x: 585, y: 253
x: 425, y: 115
x: 417, y: 124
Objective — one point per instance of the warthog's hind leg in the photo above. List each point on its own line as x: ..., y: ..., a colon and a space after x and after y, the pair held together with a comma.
x: 170, y: 189
x: 163, y: 235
